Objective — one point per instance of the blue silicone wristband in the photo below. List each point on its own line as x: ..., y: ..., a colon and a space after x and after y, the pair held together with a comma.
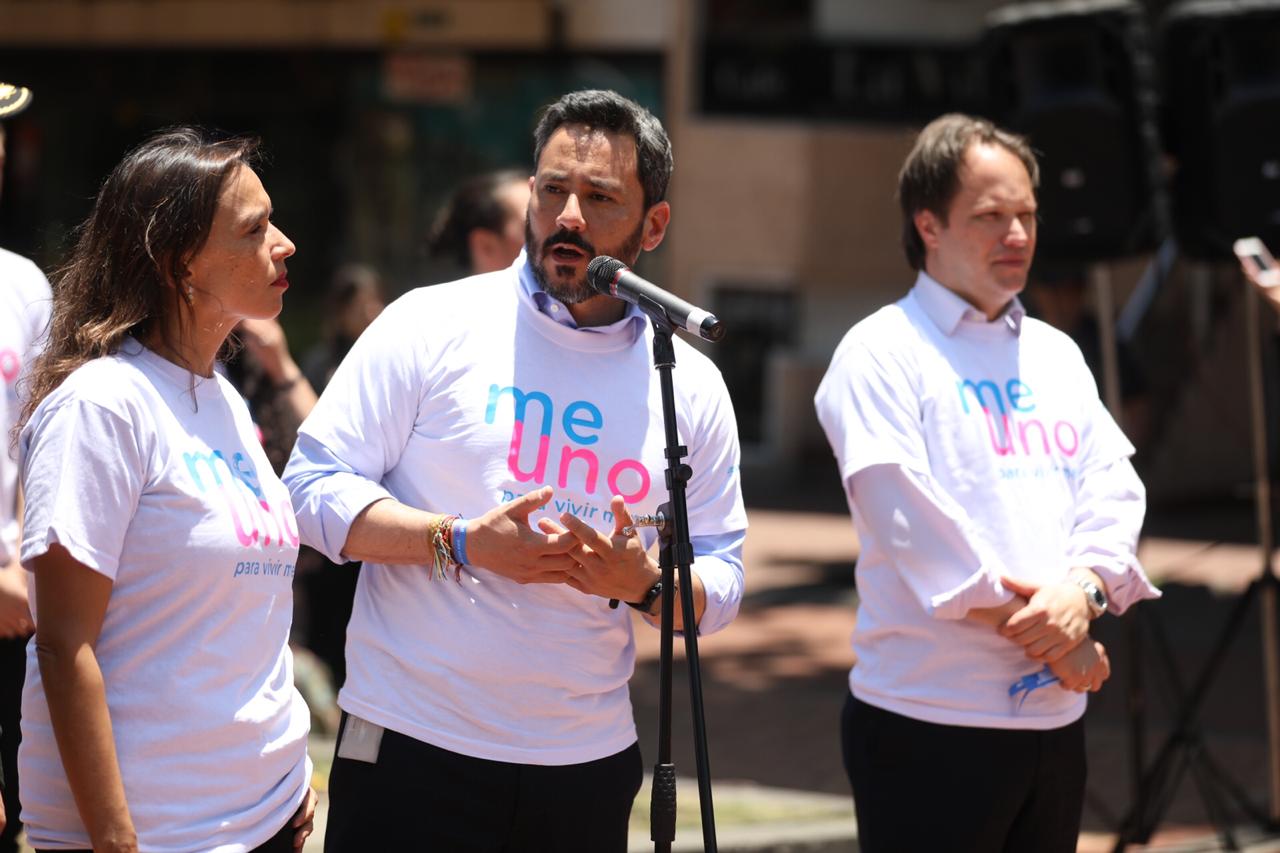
x: 459, y: 540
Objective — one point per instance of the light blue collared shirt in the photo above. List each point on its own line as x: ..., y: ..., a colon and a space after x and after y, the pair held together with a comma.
x: 558, y: 311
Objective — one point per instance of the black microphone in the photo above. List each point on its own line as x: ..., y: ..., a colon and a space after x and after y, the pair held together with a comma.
x: 612, y: 277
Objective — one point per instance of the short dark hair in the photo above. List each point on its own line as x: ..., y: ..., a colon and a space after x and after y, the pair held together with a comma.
x: 930, y: 176
x: 603, y: 109
x: 474, y: 204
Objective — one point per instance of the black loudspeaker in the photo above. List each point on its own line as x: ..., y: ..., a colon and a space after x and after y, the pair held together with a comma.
x: 1076, y: 79
x: 1221, y: 63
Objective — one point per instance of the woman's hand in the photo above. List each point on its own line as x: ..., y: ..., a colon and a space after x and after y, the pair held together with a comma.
x: 304, y: 819
x: 15, y: 617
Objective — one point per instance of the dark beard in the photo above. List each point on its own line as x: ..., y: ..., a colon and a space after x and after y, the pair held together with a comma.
x: 575, y: 290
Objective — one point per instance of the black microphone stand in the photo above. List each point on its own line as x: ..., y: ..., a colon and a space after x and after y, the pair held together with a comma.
x: 676, y: 552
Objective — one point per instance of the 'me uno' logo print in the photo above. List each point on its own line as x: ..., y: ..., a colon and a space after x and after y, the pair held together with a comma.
x: 255, y: 520
x: 579, y: 422
x: 1011, y: 426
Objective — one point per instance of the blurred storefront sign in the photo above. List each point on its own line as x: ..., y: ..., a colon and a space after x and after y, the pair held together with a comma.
x: 427, y: 78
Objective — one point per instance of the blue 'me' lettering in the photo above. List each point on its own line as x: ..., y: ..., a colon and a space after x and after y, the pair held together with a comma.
x: 591, y: 419
x: 1017, y: 390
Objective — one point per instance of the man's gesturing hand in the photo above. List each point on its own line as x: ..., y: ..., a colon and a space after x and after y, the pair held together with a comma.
x: 613, y: 566
x: 502, y: 541
x: 1054, y: 621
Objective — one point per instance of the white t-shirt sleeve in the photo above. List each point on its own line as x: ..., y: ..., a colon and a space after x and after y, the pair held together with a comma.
x: 717, y: 516
x: 869, y: 408
x: 83, y: 473
x: 354, y: 435
x: 935, y: 548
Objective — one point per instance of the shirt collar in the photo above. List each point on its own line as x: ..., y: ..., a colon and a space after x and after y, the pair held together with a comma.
x: 948, y: 310
x: 558, y: 311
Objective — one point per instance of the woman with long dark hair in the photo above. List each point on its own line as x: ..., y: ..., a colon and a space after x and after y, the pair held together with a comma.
x: 159, y: 711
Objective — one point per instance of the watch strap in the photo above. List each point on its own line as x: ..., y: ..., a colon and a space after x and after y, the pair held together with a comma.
x: 645, y: 605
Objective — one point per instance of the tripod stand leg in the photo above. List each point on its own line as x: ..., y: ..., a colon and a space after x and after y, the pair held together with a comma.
x: 1271, y: 667
x: 1238, y: 795
x: 1161, y: 784
x: 1218, y: 815
x: 1137, y: 700
x: 1139, y: 824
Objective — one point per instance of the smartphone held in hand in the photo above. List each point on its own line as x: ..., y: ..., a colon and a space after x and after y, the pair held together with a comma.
x: 1257, y: 261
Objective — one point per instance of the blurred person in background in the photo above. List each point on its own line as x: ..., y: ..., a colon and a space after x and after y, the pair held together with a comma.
x: 159, y: 711
x: 998, y: 514
x: 486, y: 706
x: 24, y: 316
x: 277, y: 392
x: 1059, y: 295
x: 481, y: 228
x: 354, y: 299
x: 327, y: 589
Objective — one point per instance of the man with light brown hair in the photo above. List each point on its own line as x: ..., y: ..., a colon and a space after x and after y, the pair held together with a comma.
x: 997, y: 513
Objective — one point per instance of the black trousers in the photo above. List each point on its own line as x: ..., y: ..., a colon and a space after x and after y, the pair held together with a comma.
x: 327, y: 591
x: 13, y: 670
x: 421, y: 798
x: 924, y: 787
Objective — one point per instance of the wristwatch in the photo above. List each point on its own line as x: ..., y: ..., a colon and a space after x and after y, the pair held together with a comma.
x: 645, y: 605
x: 1093, y: 594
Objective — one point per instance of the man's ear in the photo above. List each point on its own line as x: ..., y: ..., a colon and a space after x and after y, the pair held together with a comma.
x: 928, y: 227
x: 656, y: 220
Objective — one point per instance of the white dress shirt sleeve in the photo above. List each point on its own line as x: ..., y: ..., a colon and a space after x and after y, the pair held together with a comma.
x: 935, y: 547
x: 1110, y: 505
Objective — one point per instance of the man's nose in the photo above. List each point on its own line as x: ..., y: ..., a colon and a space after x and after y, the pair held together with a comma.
x: 1017, y: 234
x: 570, y: 216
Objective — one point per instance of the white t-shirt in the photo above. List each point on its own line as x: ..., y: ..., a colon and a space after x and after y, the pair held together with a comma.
x: 25, y: 301
x: 460, y: 397
x: 999, y: 429
x: 163, y: 488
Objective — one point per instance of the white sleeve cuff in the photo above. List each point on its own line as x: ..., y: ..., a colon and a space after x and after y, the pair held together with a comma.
x: 327, y: 506
x: 1126, y: 584
x: 723, y: 584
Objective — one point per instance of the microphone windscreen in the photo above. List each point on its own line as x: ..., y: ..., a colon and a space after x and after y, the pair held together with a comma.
x: 602, y: 272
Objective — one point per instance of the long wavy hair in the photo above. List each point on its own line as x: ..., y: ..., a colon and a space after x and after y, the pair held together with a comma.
x: 126, y: 275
